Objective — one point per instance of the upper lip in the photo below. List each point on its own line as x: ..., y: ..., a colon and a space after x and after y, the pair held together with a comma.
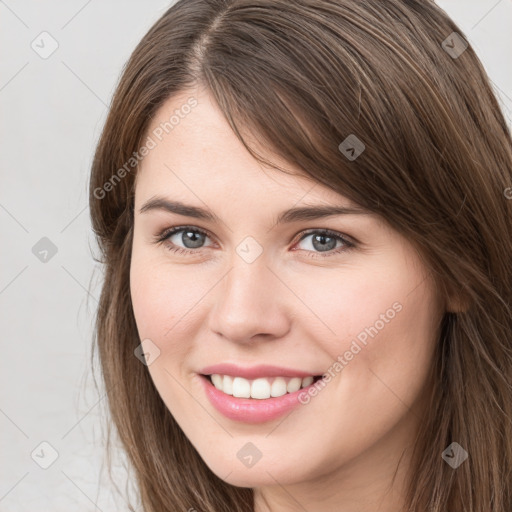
x: 254, y: 372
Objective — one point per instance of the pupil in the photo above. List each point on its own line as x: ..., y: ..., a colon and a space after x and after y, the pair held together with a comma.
x: 196, y: 242
x: 323, y: 245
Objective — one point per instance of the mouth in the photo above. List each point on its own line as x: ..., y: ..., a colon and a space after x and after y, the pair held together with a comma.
x: 262, y: 388
x: 255, y: 401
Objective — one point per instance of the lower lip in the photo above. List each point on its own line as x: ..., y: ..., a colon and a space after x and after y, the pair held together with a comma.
x: 251, y: 410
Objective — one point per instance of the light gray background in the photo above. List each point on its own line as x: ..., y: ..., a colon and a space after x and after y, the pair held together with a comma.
x: 52, y: 111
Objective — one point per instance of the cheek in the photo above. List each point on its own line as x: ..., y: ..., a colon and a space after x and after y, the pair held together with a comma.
x: 163, y: 301
x: 161, y: 296
x: 387, y: 356
x: 378, y: 317
x: 167, y: 308
x: 341, y: 304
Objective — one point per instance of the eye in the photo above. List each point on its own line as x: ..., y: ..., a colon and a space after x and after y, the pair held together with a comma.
x: 325, y: 241
x: 322, y: 241
x: 191, y: 237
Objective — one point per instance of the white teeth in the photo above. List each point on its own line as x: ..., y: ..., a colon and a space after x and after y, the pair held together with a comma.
x: 241, y: 387
x: 278, y: 387
x: 217, y: 381
x: 294, y: 384
x: 307, y: 381
x: 261, y: 388
x: 227, y: 385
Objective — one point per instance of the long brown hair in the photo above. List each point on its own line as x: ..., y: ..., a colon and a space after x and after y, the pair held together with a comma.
x: 301, y: 76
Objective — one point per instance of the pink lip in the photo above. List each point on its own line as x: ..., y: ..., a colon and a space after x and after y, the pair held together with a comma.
x: 254, y: 372
x: 251, y: 410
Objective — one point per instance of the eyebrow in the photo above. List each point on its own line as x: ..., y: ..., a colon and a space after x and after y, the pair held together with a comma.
x: 292, y: 215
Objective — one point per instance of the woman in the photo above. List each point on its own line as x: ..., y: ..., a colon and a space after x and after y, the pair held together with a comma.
x: 305, y: 220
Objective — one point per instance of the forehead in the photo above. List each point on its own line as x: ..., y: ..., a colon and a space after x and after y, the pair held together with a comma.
x: 195, y: 152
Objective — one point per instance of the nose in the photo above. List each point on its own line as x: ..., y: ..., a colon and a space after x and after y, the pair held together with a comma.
x: 250, y: 303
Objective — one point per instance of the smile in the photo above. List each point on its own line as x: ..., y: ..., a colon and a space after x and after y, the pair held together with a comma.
x: 255, y: 410
x: 261, y: 388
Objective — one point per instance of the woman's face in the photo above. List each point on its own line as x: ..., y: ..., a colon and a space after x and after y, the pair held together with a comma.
x: 248, y: 291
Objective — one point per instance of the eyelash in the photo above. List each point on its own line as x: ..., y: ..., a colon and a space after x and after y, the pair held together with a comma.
x: 164, y: 235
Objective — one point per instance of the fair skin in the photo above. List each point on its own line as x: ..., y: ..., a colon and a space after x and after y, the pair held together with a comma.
x: 292, y: 308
